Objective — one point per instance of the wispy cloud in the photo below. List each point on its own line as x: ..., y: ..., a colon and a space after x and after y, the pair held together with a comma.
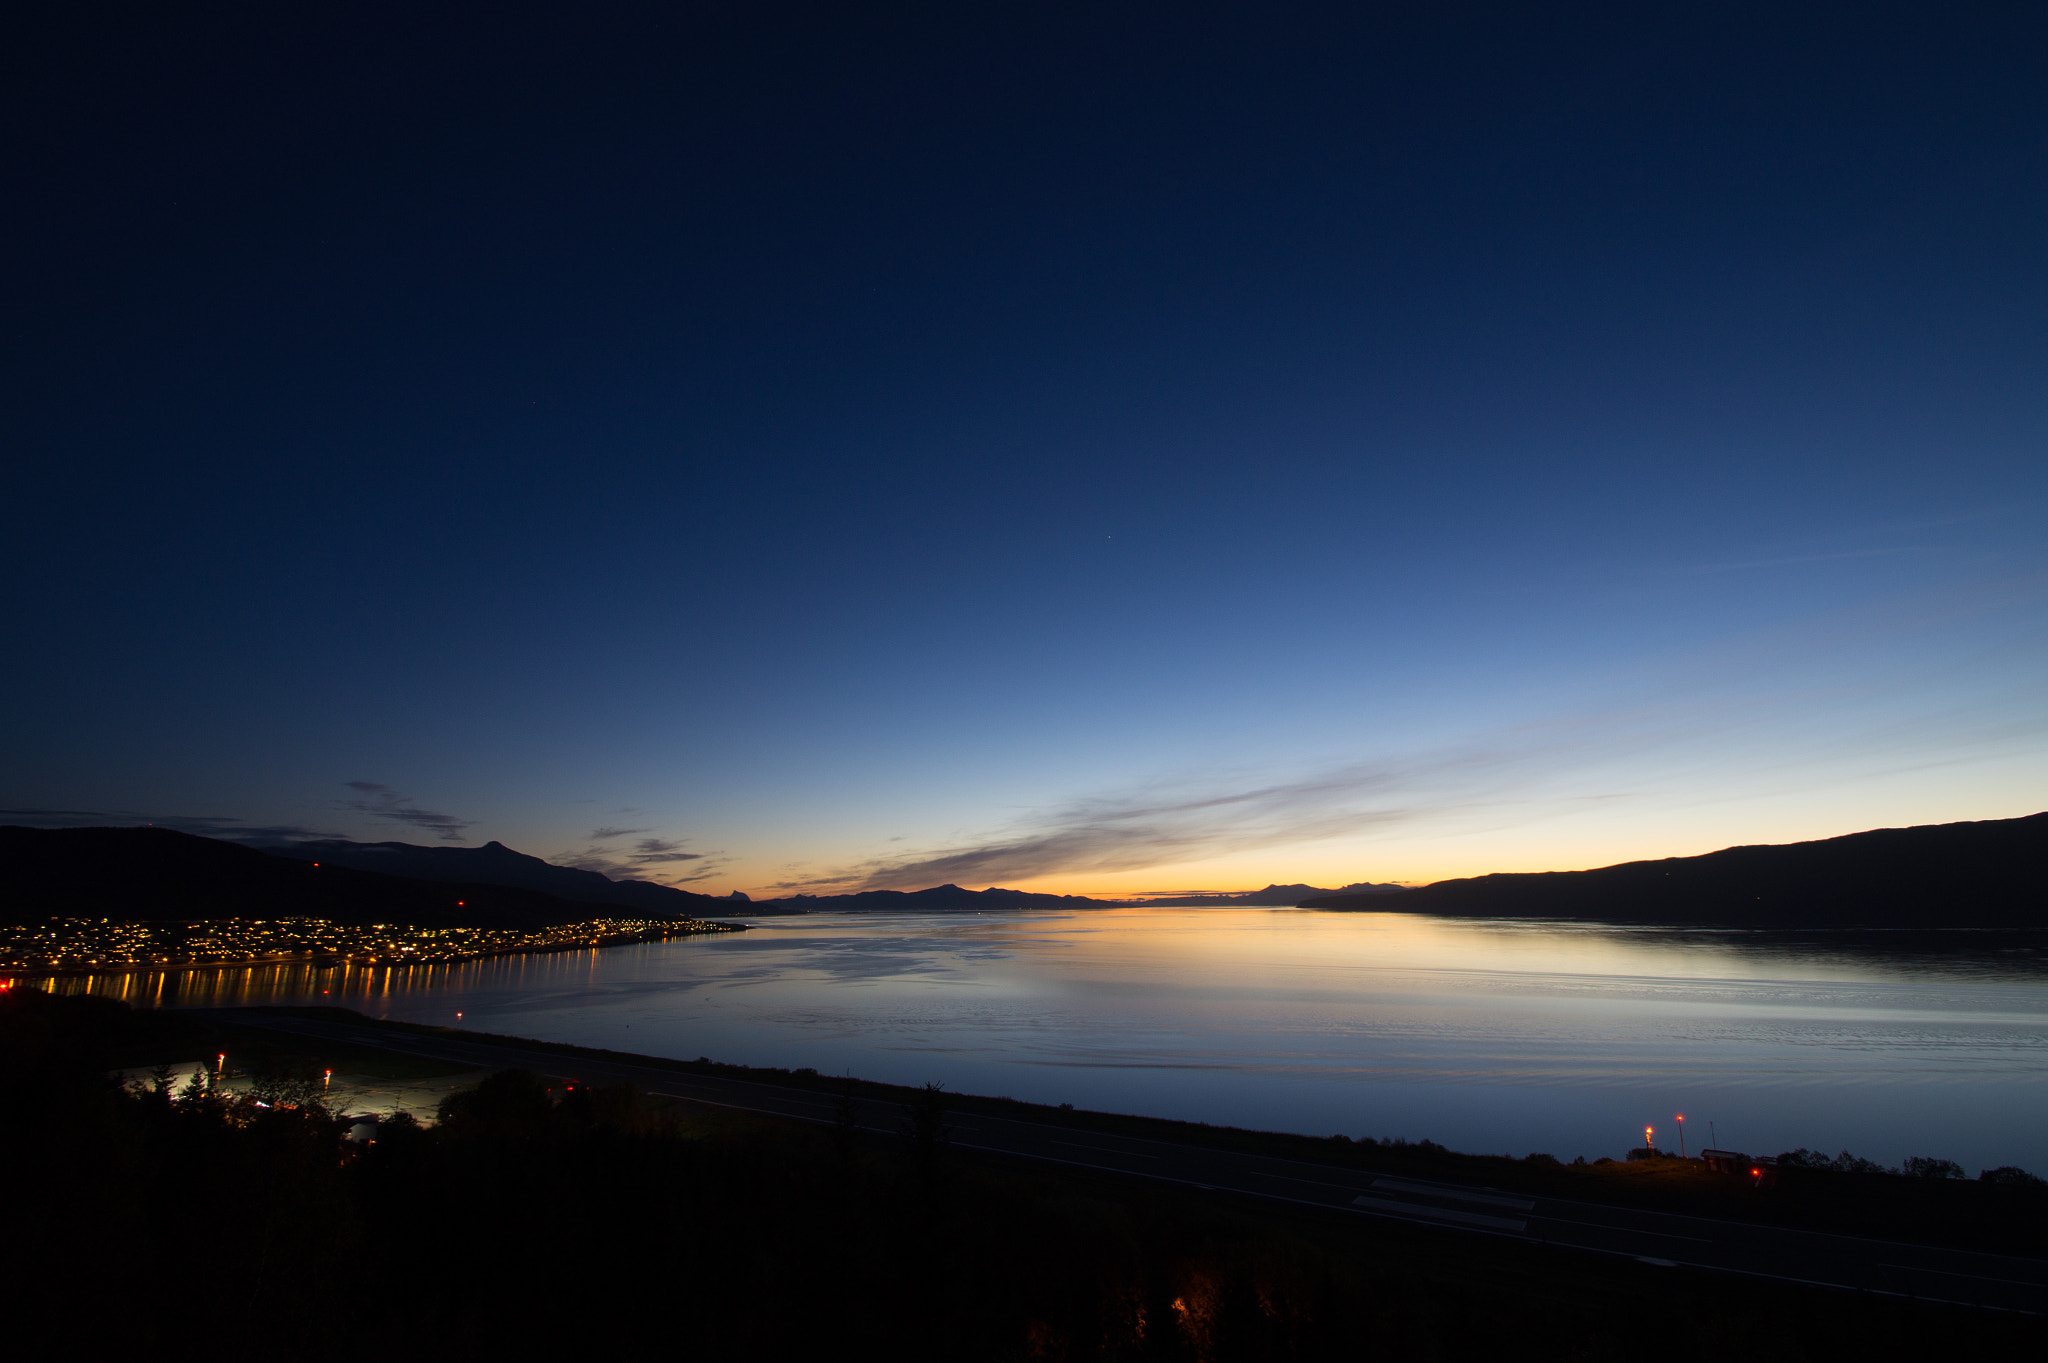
x: 1134, y: 831
x: 1786, y: 706
x: 1191, y: 819
x: 382, y: 802
x: 206, y: 825
x: 641, y: 860
x: 658, y: 851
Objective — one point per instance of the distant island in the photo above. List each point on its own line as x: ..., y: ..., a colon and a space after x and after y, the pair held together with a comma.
x: 1991, y: 873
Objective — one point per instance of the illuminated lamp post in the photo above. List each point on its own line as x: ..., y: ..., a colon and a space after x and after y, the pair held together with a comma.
x: 1649, y: 1144
x: 1681, y: 1135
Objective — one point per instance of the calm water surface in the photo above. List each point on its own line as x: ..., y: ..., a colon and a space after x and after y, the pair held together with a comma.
x: 1507, y: 1037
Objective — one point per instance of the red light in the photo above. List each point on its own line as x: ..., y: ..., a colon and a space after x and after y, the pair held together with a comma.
x: 460, y: 902
x: 1756, y: 1173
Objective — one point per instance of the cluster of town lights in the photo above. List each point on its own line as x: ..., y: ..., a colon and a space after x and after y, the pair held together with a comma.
x: 113, y: 944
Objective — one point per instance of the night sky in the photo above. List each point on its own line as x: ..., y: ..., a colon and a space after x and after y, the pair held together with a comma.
x: 1095, y: 448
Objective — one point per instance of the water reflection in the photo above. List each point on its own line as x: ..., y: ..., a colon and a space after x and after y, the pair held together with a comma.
x: 1511, y: 1036
x: 366, y: 988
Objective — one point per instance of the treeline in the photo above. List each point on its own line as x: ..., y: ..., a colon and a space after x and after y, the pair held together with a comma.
x: 533, y: 1222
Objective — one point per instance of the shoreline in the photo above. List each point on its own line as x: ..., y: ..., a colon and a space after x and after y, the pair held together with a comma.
x: 330, y: 960
x: 1963, y: 1213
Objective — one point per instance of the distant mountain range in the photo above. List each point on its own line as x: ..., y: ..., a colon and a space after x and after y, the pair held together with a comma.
x: 1987, y: 874
x: 941, y: 898
x: 952, y: 899
x: 1273, y: 896
x: 155, y: 873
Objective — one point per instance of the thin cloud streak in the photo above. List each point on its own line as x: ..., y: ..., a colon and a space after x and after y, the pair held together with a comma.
x: 647, y: 853
x: 1135, y: 831
x: 382, y: 802
x: 1689, y: 710
x: 205, y: 825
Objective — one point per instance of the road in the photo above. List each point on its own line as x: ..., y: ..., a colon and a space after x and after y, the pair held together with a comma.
x: 1840, y: 1261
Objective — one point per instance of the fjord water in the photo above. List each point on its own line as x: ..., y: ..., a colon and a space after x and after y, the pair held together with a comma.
x: 1485, y: 1036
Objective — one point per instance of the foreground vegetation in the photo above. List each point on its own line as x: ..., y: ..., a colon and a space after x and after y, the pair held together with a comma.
x: 600, y: 1223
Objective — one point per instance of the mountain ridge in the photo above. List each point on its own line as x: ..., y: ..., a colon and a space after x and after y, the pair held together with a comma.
x: 1986, y: 873
x: 496, y: 864
x: 148, y: 873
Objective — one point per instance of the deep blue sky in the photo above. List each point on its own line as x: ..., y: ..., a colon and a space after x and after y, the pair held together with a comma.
x: 1093, y: 447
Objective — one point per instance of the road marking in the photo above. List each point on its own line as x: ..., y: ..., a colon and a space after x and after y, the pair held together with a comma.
x: 1951, y: 1273
x: 1626, y: 1230
x: 1349, y: 1185
x: 1103, y: 1150
x: 1418, y: 1211
x: 1450, y: 1194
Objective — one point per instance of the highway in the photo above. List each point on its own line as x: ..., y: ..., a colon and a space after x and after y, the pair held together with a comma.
x: 1838, y: 1261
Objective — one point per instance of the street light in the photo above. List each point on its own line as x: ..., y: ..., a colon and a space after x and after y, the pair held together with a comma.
x: 1681, y: 1135
x: 1649, y: 1144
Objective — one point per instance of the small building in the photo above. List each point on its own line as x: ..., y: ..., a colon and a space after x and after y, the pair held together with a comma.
x: 1727, y: 1161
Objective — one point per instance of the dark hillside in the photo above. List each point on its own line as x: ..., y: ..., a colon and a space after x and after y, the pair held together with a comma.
x: 1987, y: 874
x: 154, y: 873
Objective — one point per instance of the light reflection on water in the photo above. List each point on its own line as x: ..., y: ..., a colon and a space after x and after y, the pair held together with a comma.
x: 1484, y: 1036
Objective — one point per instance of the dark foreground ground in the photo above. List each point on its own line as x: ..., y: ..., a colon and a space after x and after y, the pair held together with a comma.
x: 544, y: 1220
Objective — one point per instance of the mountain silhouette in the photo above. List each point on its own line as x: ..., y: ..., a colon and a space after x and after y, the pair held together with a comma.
x: 155, y: 873
x: 1273, y: 896
x: 941, y: 898
x: 1985, y: 874
x: 496, y: 864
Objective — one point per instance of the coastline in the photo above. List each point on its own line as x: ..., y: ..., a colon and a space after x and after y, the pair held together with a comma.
x: 28, y: 973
